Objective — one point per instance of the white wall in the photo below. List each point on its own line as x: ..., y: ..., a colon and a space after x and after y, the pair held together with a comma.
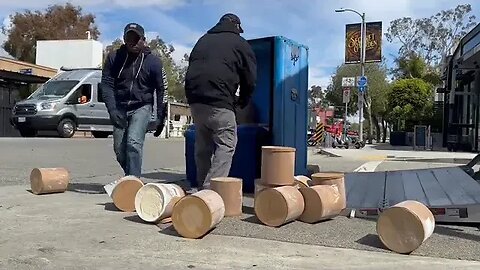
x: 69, y: 53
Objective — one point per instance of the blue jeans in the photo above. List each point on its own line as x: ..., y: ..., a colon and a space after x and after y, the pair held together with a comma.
x: 128, y: 142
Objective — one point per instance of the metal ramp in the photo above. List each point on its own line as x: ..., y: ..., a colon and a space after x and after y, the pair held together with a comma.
x: 450, y: 193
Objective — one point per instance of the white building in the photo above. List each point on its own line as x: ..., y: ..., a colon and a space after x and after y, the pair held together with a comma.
x: 79, y: 53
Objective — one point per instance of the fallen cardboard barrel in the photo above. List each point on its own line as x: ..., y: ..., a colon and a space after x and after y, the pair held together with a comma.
x: 230, y: 189
x: 334, y: 179
x: 321, y: 202
x: 277, y: 206
x: 278, y: 165
x: 196, y: 214
x: 49, y: 180
x: 124, y: 192
x: 154, y: 202
x: 403, y: 227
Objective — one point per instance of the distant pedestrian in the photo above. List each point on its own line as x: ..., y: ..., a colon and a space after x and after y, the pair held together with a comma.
x: 131, y: 77
x: 219, y: 63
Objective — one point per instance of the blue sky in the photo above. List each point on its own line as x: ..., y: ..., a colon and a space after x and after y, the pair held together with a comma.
x: 310, y: 22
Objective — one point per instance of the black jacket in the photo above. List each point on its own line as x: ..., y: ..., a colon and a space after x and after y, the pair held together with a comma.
x: 220, y: 62
x: 129, y: 83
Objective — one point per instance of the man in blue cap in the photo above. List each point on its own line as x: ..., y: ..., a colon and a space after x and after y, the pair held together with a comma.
x: 219, y: 63
x: 132, y: 76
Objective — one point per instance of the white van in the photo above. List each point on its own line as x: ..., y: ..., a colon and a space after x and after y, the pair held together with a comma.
x: 71, y: 101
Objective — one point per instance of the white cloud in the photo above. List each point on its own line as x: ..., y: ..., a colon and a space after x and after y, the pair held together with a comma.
x: 180, y: 51
x: 318, y: 76
x: 6, y: 23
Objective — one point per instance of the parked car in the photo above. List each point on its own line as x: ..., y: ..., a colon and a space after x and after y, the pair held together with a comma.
x: 71, y: 101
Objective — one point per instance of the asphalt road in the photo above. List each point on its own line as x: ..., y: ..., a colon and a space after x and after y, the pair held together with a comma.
x: 90, y: 161
x: 92, y: 164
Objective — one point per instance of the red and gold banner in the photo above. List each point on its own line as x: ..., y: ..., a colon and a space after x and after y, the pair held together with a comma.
x: 373, y: 42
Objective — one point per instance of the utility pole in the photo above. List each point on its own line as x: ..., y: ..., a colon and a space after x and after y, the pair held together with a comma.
x: 361, y: 95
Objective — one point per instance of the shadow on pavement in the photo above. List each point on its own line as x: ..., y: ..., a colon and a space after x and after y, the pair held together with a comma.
x: 170, y: 230
x: 110, y: 207
x: 371, y: 240
x: 165, y: 176
x: 248, y: 210
x: 136, y: 219
x: 457, y: 232
x: 253, y: 220
x: 92, y: 188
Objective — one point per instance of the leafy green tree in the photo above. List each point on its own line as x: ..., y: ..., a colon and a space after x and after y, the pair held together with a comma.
x: 54, y: 23
x: 431, y: 38
x: 414, y: 66
x: 316, y: 97
x: 410, y: 102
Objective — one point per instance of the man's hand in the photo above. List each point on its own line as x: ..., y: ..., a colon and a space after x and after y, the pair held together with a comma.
x: 118, y: 120
x: 159, y: 129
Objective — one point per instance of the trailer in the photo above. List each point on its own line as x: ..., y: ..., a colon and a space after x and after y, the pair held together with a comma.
x: 450, y: 193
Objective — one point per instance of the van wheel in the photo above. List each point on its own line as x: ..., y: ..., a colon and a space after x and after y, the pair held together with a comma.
x: 27, y: 132
x: 101, y: 134
x: 66, y: 128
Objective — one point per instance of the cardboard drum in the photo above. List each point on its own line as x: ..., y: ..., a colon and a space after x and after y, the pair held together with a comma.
x: 278, y: 165
x: 403, y: 227
x: 49, y: 180
x: 277, y: 206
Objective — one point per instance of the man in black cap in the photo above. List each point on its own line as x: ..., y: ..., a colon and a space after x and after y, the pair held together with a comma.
x: 132, y: 76
x: 220, y: 62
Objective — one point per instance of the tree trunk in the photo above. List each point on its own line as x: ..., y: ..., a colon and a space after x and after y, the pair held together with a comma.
x: 384, y: 131
x: 370, y: 120
x: 377, y: 128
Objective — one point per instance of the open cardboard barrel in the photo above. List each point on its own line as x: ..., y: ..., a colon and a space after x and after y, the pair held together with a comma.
x: 154, y: 201
x: 303, y: 181
x: 336, y: 179
x: 196, y: 214
x: 277, y: 206
x: 49, y: 180
x: 124, y: 192
x: 403, y: 227
x: 230, y: 189
x: 278, y: 165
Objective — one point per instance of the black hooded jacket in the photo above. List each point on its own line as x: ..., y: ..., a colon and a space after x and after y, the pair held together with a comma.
x: 129, y: 82
x: 221, y: 61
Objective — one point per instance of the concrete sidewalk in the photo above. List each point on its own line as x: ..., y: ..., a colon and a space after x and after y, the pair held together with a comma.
x: 84, y: 231
x: 382, y: 152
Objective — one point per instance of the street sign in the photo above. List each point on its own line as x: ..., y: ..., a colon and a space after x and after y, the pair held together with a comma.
x: 362, y: 81
x: 348, y: 81
x: 346, y: 95
x: 361, y: 89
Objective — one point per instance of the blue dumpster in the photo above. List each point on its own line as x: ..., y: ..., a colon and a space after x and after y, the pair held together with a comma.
x: 281, y: 96
x: 246, y: 160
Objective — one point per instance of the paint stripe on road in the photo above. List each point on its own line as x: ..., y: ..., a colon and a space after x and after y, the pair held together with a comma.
x: 369, y: 166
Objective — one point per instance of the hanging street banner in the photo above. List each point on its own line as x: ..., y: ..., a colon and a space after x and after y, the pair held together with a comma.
x: 373, y: 43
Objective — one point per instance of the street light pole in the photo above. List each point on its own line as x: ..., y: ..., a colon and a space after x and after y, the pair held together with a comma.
x: 363, y: 37
x: 362, y: 64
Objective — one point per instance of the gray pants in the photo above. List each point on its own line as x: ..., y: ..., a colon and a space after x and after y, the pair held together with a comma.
x: 215, y: 142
